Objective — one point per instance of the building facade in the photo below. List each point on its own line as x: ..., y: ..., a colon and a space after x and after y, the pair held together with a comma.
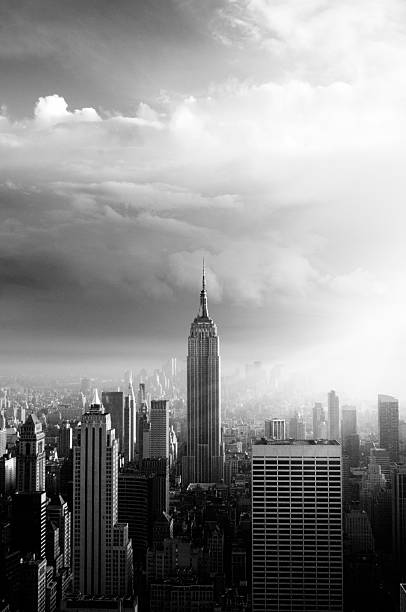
x: 297, y: 555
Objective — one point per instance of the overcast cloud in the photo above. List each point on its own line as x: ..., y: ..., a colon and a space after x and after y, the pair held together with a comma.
x: 268, y: 137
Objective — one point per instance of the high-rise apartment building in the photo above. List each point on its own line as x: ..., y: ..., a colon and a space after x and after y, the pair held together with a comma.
x: 204, y: 461
x: 333, y: 416
x: 275, y: 429
x: 31, y: 456
x: 102, y: 553
x: 388, y: 425
x: 297, y: 554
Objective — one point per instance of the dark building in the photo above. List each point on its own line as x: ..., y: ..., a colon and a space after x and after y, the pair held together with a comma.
x: 388, y: 422
x: 29, y: 523
x: 204, y: 461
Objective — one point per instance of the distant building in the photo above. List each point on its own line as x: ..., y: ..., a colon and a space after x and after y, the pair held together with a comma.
x: 348, y: 422
x: 65, y: 440
x: 31, y: 456
x: 318, y: 421
x: 333, y: 416
x: 275, y: 429
x: 297, y: 427
x: 159, y: 433
x: 388, y: 425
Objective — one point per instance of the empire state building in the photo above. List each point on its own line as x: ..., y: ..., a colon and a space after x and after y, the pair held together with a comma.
x: 204, y: 460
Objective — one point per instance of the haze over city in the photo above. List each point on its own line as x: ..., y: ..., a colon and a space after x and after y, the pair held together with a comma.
x: 136, y: 139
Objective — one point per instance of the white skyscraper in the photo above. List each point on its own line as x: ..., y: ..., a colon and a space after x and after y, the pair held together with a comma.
x: 297, y: 552
x: 102, y: 552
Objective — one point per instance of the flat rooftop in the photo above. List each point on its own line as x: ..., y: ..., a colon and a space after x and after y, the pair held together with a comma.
x: 292, y: 442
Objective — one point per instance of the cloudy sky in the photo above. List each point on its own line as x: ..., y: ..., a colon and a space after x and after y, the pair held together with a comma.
x: 268, y: 136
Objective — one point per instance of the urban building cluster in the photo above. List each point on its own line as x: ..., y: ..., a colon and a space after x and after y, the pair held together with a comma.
x: 143, y: 496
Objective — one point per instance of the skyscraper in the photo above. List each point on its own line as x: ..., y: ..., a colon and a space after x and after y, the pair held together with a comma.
x: 102, y: 553
x: 348, y: 422
x: 297, y: 552
x: 349, y: 437
x: 333, y: 416
x: 388, y: 424
x: 31, y: 457
x: 318, y: 421
x: 159, y: 431
x: 204, y: 461
x: 65, y: 439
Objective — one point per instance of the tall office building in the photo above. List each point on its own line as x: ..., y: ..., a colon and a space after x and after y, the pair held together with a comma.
x: 319, y: 421
x: 204, y: 461
x: 102, y: 553
x: 275, y: 429
x: 130, y: 425
x: 159, y: 430
x: 388, y: 424
x: 297, y: 556
x: 122, y: 411
x: 65, y: 440
x: 141, y: 423
x: 349, y: 437
x: 348, y: 422
x: 333, y: 416
x: 31, y: 456
x: 297, y: 427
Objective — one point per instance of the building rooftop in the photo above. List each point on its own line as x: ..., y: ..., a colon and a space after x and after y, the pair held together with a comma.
x: 292, y: 442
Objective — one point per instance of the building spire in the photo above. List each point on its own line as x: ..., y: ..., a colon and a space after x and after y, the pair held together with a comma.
x: 203, y: 296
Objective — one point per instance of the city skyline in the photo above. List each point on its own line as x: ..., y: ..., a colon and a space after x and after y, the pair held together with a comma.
x: 253, y: 139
